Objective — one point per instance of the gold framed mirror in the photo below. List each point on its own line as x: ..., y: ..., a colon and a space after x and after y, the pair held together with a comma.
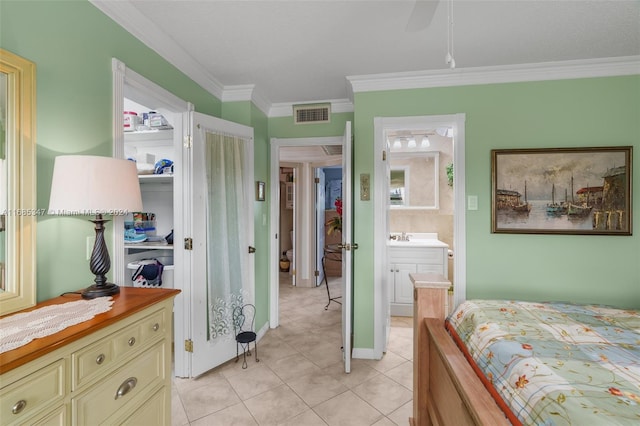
x: 17, y: 183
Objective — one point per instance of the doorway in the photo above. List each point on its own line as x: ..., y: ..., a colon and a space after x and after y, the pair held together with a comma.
x: 297, y: 158
x: 383, y: 126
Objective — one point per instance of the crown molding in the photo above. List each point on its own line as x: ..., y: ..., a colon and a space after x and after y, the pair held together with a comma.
x: 285, y: 109
x: 240, y: 92
x: 246, y: 92
x: 604, y: 67
x: 135, y: 22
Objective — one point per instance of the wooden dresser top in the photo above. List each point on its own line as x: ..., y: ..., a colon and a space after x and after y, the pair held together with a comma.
x: 129, y: 301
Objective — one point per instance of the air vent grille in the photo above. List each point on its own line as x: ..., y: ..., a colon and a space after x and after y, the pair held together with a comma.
x: 316, y: 113
x: 332, y: 149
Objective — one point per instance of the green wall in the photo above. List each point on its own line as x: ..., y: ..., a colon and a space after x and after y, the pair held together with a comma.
x: 567, y: 113
x: 72, y: 44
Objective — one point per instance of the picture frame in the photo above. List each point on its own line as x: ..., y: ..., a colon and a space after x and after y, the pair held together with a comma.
x: 260, y: 191
x: 581, y: 191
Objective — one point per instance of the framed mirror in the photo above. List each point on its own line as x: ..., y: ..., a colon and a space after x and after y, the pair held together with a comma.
x: 399, y: 186
x: 414, y: 180
x: 17, y: 183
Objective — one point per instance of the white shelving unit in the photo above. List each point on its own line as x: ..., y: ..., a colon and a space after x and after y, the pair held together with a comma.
x: 157, y: 197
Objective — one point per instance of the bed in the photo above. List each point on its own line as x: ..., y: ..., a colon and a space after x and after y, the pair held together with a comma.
x: 565, y: 364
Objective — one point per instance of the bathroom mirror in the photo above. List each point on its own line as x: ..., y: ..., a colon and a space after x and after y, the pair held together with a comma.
x: 414, y: 180
x: 399, y: 186
x: 17, y: 183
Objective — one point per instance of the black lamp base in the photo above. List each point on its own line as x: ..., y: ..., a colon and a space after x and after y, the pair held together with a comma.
x: 108, y: 289
x: 99, y: 265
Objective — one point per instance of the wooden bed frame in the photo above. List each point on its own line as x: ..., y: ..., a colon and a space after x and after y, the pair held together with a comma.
x: 446, y: 390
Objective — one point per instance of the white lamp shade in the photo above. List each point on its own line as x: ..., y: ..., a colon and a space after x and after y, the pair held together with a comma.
x: 90, y: 185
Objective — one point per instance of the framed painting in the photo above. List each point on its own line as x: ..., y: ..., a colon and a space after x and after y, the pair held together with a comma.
x: 584, y: 191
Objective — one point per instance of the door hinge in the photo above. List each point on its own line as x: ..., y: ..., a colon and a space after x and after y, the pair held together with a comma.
x: 188, y: 243
x: 188, y: 345
x: 348, y: 246
x: 316, y: 273
x: 317, y: 180
x: 188, y: 141
x: 384, y: 155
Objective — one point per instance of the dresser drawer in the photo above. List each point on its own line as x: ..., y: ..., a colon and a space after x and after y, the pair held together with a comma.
x: 101, y: 356
x: 33, y: 393
x: 152, y: 412
x: 91, y: 361
x: 139, y: 334
x: 57, y: 417
x: 121, y: 389
x: 154, y: 326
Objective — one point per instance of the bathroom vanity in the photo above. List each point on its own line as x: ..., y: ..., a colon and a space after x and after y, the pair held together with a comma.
x: 409, y: 254
x: 112, y: 369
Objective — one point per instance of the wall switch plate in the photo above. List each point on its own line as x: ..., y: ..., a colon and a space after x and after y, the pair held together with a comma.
x: 472, y: 202
x: 365, y: 187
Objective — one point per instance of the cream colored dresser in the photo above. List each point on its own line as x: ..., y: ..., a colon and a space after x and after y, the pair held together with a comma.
x: 114, y: 369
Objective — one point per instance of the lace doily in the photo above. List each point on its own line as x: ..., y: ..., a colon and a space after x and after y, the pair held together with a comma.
x: 19, y: 329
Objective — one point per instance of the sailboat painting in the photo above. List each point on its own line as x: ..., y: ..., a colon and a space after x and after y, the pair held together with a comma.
x: 583, y: 191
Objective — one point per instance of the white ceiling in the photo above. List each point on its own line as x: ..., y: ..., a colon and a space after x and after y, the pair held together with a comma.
x: 298, y: 51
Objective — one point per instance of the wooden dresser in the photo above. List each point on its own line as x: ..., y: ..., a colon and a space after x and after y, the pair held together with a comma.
x: 112, y: 369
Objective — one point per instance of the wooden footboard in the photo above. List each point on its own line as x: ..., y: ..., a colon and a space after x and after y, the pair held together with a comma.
x: 446, y: 391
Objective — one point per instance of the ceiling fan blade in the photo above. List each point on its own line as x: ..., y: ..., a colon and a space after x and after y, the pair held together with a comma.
x: 422, y: 15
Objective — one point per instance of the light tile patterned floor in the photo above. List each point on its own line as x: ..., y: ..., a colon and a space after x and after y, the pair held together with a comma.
x: 300, y: 380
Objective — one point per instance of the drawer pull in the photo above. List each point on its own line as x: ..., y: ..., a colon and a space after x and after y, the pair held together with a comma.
x: 132, y: 341
x: 19, y: 406
x: 156, y: 327
x: 126, y: 387
x: 100, y: 359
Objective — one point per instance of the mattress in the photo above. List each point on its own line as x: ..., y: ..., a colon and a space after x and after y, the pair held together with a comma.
x: 554, y: 363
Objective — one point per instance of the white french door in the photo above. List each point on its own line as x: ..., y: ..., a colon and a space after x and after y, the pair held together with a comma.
x: 320, y: 209
x: 347, y: 248
x: 221, y: 213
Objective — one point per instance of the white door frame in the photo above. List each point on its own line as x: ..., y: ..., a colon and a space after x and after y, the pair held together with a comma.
x: 128, y: 83
x: 274, y: 229
x: 381, y: 126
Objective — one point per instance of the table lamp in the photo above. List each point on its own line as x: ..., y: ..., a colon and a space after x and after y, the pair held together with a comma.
x: 91, y: 185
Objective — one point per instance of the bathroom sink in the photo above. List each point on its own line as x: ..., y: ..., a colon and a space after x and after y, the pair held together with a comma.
x: 417, y: 240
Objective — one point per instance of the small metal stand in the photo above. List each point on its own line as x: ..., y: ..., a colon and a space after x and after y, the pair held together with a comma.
x: 333, y: 253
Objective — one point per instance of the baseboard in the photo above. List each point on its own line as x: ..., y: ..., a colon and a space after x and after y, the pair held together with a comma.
x: 260, y: 334
x: 401, y: 309
x: 365, y: 353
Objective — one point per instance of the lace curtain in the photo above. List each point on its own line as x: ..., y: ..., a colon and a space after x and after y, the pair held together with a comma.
x: 226, y: 165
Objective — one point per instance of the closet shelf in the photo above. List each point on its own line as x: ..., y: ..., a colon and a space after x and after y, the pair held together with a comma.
x: 149, y: 135
x: 150, y: 246
x: 155, y: 179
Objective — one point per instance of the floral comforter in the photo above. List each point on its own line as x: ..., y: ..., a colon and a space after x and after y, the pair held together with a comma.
x: 555, y: 363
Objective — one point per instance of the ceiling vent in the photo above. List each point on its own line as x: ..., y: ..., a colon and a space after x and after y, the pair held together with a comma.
x: 312, y: 113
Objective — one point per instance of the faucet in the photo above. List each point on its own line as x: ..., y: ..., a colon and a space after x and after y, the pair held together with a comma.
x: 403, y: 237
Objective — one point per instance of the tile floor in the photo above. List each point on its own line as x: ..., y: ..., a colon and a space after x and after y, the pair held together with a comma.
x: 300, y: 379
